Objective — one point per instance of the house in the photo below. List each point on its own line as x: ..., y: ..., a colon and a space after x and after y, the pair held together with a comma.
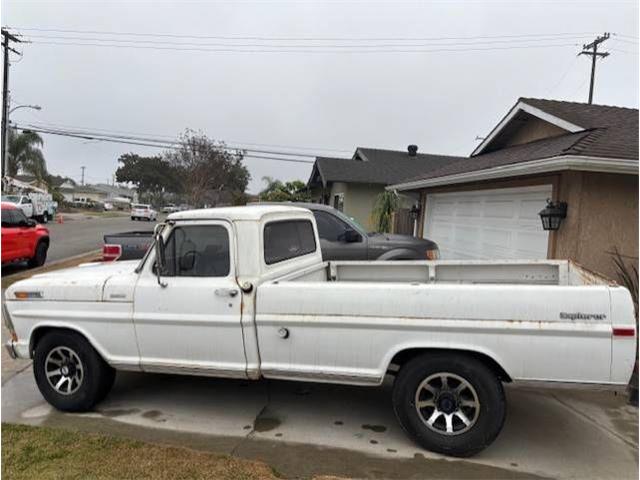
x: 352, y: 185
x: 487, y: 205
x: 100, y: 192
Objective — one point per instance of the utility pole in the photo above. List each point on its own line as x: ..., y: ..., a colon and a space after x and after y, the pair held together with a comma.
x: 82, y: 181
x: 592, y: 50
x: 6, y: 38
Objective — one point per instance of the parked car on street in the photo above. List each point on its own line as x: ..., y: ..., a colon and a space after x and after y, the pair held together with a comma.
x: 39, y: 206
x: 22, y: 238
x: 243, y: 292
x: 169, y: 208
x: 126, y: 245
x: 140, y: 211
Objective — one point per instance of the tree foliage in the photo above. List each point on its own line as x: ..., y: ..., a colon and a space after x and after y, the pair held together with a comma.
x: 386, y: 204
x: 151, y: 175
x: 209, y: 172
x: 24, y: 154
x: 277, y: 191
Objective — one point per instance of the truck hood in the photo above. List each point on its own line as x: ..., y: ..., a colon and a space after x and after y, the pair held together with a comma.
x: 84, y: 283
x: 387, y: 240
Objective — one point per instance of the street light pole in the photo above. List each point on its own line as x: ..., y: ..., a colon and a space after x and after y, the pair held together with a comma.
x: 34, y: 107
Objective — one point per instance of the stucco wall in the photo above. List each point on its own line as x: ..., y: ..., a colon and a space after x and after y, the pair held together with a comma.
x: 602, y: 215
x: 359, y: 201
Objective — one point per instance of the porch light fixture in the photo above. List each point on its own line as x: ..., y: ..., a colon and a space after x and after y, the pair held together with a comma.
x: 553, y: 214
x: 414, y: 212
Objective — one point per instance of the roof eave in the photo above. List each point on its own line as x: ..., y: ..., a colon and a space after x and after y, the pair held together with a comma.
x: 545, y: 165
x: 521, y: 105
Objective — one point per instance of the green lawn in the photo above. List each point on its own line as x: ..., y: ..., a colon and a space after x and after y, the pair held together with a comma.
x: 50, y: 453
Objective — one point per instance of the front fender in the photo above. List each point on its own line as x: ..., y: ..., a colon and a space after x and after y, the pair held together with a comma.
x: 401, y: 254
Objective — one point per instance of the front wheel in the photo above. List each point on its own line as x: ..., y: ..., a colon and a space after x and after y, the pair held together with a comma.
x: 69, y: 373
x: 39, y: 256
x: 449, y: 403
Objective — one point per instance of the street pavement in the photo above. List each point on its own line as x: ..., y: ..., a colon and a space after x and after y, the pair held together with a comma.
x: 306, y: 429
x: 81, y: 234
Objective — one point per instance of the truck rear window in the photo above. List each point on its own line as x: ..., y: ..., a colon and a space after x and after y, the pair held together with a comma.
x: 288, y: 239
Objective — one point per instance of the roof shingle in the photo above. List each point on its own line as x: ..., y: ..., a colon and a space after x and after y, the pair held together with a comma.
x: 383, y: 167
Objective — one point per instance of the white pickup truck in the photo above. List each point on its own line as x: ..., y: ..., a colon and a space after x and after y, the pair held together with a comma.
x: 243, y: 292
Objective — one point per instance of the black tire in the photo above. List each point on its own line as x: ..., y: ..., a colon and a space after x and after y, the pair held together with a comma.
x: 485, y: 420
x: 40, y: 255
x: 133, y: 218
x: 96, y: 378
x: 45, y: 217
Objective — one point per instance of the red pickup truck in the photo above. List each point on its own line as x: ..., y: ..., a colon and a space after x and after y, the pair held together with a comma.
x: 22, y: 238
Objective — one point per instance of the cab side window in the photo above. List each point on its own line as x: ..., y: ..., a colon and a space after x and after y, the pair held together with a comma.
x: 288, y: 239
x: 198, y: 251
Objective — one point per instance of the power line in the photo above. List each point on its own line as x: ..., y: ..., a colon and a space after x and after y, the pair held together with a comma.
x: 151, y: 141
x: 229, y: 143
x: 272, y: 45
x: 354, y: 50
x: 259, y: 154
x: 271, y: 38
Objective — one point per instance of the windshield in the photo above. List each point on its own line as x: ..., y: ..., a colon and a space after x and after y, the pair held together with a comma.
x: 351, y: 221
x: 11, y: 198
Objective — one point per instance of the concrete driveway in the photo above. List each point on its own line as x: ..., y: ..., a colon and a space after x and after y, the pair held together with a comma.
x: 303, y: 429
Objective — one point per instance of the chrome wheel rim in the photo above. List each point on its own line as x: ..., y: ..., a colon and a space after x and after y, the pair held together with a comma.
x: 447, y: 403
x: 64, y: 370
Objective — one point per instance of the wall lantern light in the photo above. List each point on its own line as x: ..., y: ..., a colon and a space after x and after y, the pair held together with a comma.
x: 553, y: 214
x: 414, y: 212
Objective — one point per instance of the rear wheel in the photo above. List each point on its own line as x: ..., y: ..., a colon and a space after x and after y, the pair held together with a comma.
x: 45, y: 217
x: 449, y: 403
x: 40, y: 255
x: 69, y: 373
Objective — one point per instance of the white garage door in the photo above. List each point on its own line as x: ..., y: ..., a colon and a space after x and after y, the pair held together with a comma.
x: 485, y: 224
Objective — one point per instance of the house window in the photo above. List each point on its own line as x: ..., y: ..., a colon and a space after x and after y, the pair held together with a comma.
x: 338, y: 201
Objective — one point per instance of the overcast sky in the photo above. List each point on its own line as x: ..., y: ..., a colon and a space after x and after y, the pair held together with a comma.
x: 439, y: 100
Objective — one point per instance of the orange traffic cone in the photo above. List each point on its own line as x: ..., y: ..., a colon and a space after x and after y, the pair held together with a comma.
x: 59, y: 218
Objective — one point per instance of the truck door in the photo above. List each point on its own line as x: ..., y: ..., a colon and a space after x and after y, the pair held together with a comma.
x: 10, y: 231
x: 192, y: 324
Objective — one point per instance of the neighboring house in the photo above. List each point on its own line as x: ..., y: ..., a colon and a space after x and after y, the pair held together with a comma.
x: 352, y: 185
x: 487, y: 205
x: 100, y: 192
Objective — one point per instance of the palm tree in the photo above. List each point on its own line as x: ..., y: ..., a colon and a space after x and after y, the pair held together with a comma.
x: 24, y: 154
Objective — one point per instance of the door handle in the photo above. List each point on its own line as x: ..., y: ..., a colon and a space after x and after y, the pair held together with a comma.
x: 226, y: 292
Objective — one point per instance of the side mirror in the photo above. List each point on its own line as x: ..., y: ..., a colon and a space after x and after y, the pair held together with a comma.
x: 161, y: 261
x: 351, y: 236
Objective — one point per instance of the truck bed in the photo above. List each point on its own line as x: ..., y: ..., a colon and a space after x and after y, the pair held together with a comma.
x: 516, y: 272
x: 524, y: 315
